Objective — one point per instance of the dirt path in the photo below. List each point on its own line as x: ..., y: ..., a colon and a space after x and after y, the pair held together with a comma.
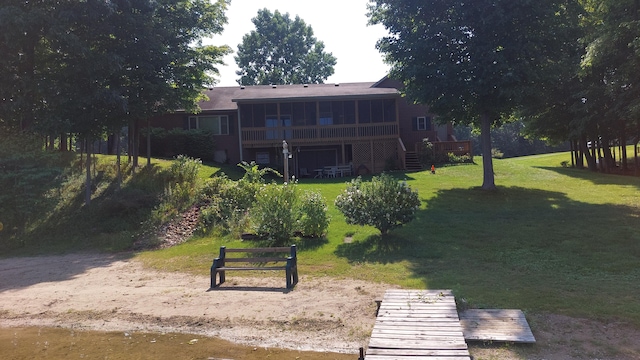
x: 114, y: 293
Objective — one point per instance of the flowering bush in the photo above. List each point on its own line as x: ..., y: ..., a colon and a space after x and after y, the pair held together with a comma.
x: 383, y: 203
x: 273, y: 213
x: 280, y: 211
x: 312, y: 219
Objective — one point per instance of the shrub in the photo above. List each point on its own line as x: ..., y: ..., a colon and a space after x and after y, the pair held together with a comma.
x: 427, y: 153
x: 383, y: 203
x: 312, y: 218
x: 169, y: 143
x: 182, y: 190
x: 273, y: 214
x: 254, y: 174
x: 455, y: 159
x: 184, y: 169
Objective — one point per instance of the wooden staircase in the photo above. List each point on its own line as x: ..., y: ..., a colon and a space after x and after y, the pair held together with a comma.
x: 411, y: 161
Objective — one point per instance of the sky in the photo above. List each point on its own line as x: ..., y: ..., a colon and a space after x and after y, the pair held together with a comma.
x: 340, y: 24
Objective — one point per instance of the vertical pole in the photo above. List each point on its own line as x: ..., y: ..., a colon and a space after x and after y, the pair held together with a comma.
x: 285, y: 153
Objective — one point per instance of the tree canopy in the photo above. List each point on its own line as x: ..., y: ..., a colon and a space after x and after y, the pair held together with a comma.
x: 473, y: 62
x: 87, y: 68
x: 282, y: 51
x: 80, y: 66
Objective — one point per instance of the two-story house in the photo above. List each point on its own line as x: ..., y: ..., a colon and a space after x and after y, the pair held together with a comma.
x: 365, y: 127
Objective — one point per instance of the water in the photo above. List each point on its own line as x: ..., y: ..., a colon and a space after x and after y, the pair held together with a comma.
x: 58, y: 343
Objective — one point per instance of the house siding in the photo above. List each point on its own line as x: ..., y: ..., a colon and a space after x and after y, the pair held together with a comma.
x: 366, y: 125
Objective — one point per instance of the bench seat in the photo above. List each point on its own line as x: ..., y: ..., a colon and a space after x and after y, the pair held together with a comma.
x: 219, y: 266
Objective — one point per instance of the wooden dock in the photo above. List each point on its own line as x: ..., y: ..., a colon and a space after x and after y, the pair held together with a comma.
x: 417, y: 324
x: 496, y: 325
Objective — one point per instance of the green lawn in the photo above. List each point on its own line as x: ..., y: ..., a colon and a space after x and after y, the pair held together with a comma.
x: 550, y: 239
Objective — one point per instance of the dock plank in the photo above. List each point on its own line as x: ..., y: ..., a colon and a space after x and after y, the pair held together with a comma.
x: 507, y: 325
x: 415, y: 324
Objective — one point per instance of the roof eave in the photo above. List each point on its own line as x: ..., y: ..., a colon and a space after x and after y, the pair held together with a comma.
x: 307, y: 98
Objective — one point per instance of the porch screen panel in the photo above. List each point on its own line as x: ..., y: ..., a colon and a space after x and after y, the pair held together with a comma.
x: 246, y: 114
x: 364, y: 111
x: 310, y: 113
x: 389, y: 110
x: 349, y: 112
x: 377, y: 111
x: 326, y: 115
x: 337, y: 109
x: 258, y: 115
x: 298, y: 114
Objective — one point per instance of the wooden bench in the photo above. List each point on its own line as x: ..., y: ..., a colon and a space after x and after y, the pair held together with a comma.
x: 257, y: 262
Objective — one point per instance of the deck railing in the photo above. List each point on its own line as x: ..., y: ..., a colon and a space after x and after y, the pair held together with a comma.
x: 319, y: 133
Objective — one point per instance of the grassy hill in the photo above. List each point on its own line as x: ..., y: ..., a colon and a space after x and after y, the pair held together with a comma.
x: 550, y: 239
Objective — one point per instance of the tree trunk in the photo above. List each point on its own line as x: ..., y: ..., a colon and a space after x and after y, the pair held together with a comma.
x: 623, y: 151
x: 148, y: 142
x: 118, y: 165
x: 63, y: 142
x: 87, y: 183
x: 129, y: 141
x: 589, y: 154
x: 488, y: 180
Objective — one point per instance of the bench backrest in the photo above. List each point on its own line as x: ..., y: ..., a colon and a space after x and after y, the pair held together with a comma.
x: 255, y: 259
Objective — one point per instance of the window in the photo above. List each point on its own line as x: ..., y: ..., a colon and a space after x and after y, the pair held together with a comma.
x: 217, y: 124
x: 423, y: 123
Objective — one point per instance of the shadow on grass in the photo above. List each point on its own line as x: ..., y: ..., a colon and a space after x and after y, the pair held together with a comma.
x: 595, y: 177
x: 519, y: 247
x: 375, y: 248
x: 302, y: 244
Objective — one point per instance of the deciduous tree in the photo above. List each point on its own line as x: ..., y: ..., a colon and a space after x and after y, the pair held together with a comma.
x: 282, y: 51
x: 473, y: 61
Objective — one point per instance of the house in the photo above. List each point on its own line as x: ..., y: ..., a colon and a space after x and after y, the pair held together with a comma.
x: 364, y: 127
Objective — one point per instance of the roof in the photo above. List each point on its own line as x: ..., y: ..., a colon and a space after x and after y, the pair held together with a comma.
x: 228, y: 98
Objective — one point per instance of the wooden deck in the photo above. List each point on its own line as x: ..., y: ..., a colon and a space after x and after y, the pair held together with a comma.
x: 496, y: 325
x: 417, y: 324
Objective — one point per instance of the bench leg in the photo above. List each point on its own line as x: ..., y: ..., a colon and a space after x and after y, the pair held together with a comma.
x: 216, y: 273
x: 292, y: 276
x: 214, y: 270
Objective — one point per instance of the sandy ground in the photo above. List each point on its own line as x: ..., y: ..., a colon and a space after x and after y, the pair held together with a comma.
x: 102, y: 292
x: 116, y: 293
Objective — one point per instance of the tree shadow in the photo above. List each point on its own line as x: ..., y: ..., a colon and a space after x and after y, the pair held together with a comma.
x: 301, y: 243
x: 310, y: 244
x: 517, y: 247
x: 375, y: 248
x: 22, y: 272
x: 595, y: 177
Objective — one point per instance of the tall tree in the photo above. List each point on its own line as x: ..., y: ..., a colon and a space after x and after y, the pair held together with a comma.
x: 610, y: 70
x: 90, y: 67
x: 282, y: 51
x: 472, y: 61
